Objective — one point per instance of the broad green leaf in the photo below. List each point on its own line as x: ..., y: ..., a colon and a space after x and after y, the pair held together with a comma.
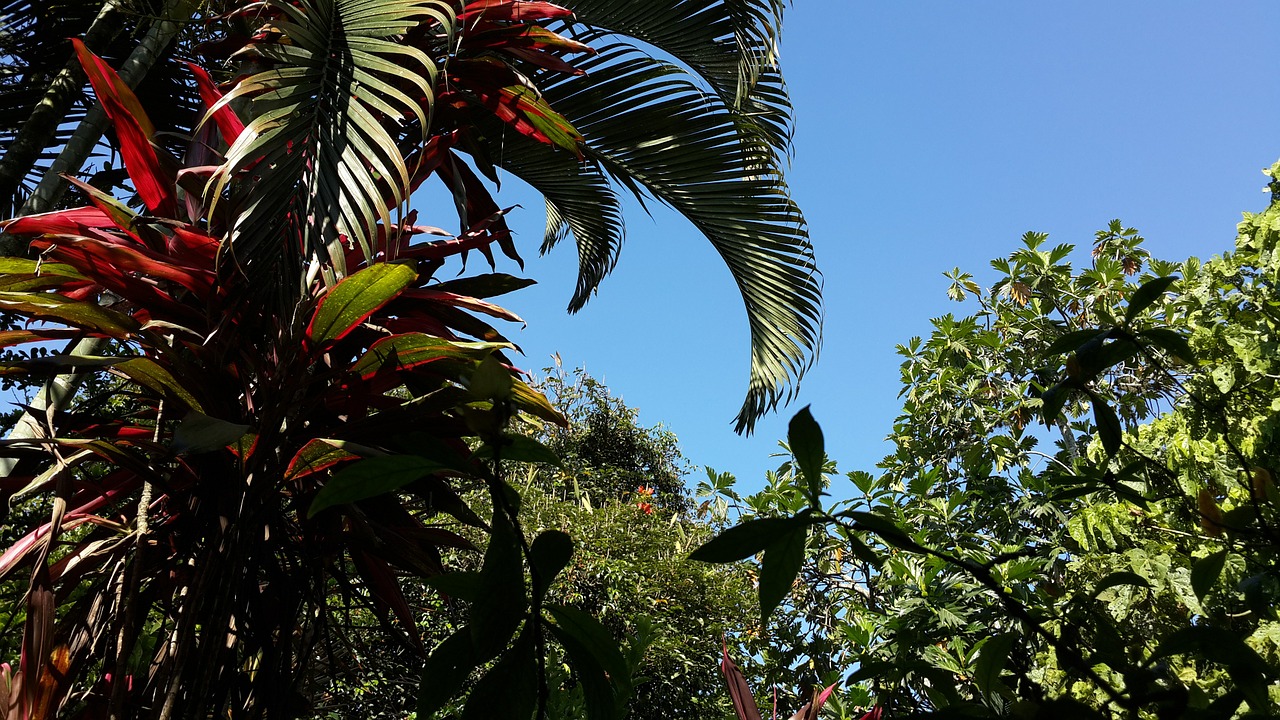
x: 371, y: 477
x: 445, y: 672
x: 1116, y: 579
x: 1107, y: 423
x: 318, y: 454
x: 86, y: 315
x: 462, y: 585
x: 484, y: 286
x: 1206, y: 571
x: 500, y: 607
x: 1216, y: 645
x: 355, y: 298
x: 1072, y: 341
x: 888, y: 530
x: 747, y: 539
x: 536, y: 404
x: 519, y: 448
x: 778, y: 570
x: 804, y: 436
x: 1171, y: 342
x: 199, y: 433
x: 510, y: 688
x: 1144, y: 296
x: 148, y: 372
x: 410, y: 350
x: 597, y: 660
x: 491, y: 380
x: 548, y: 555
x: 992, y: 658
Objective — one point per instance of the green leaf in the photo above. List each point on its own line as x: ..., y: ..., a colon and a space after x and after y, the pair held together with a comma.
x: 805, y: 439
x: 151, y: 374
x: 1107, y: 423
x: 85, y: 315
x: 747, y: 539
x: 500, y: 607
x: 510, y: 688
x: 599, y: 663
x: 888, y: 530
x: 1216, y: 645
x: 1116, y: 579
x: 520, y: 448
x: 491, y: 380
x: 409, y: 350
x: 1052, y: 401
x: 484, y: 286
x: 445, y: 672
x: 1171, y: 342
x: 548, y: 555
x: 371, y: 477
x: 355, y: 298
x: 1144, y: 296
x: 462, y: 585
x: 782, y: 561
x: 1072, y: 341
x: 1206, y: 571
x: 992, y: 657
x: 199, y: 433
x: 536, y: 404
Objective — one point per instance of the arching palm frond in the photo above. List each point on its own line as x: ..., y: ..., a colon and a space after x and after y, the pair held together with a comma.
x: 648, y: 126
x: 731, y: 44
x: 317, y: 166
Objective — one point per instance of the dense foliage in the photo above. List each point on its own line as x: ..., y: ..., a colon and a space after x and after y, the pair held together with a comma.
x: 616, y: 488
x: 296, y: 399
x: 1080, y: 515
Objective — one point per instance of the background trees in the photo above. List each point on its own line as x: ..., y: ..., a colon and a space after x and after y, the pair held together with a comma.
x: 1078, y: 518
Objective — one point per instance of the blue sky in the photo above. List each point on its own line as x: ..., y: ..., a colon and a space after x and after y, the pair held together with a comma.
x: 929, y: 135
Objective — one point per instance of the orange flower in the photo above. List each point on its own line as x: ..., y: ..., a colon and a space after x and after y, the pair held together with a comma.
x: 645, y: 508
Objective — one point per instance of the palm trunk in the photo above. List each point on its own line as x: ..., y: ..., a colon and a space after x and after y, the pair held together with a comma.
x: 58, y: 391
x: 38, y: 132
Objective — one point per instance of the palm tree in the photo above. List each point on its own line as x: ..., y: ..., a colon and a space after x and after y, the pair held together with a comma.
x: 702, y: 126
x: 293, y: 194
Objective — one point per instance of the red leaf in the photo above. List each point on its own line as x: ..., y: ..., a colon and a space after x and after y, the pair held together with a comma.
x: 134, y: 129
x: 87, y: 255
x: 744, y: 703
x: 463, y: 301
x: 511, y: 10
x: 76, y: 221
x: 315, y: 456
x: 229, y: 124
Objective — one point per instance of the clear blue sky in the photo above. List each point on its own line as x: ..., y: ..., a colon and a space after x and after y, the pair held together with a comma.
x: 930, y: 135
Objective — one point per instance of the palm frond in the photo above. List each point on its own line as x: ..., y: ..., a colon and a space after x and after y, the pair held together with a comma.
x: 579, y: 200
x: 317, y: 164
x: 652, y: 129
x: 730, y: 44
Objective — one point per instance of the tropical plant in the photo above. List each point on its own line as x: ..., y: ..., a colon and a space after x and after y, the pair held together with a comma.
x: 424, y: 81
x: 616, y: 487
x: 296, y: 398
x: 1129, y: 571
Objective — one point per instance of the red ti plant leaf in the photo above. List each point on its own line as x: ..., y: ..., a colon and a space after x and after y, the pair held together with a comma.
x: 135, y: 131
x: 318, y: 454
x: 229, y: 124
x: 744, y: 703
x: 506, y: 94
x: 349, y: 303
x: 811, y: 709
x: 63, y: 222
x: 511, y: 10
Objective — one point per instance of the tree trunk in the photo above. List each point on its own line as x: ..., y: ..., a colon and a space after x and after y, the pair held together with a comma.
x: 59, y: 391
x: 38, y: 132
